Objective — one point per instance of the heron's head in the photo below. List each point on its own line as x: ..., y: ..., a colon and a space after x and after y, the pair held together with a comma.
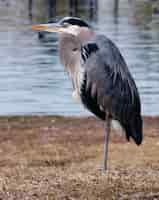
x: 69, y: 25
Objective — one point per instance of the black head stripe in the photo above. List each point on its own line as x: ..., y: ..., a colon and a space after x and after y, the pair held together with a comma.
x: 74, y: 21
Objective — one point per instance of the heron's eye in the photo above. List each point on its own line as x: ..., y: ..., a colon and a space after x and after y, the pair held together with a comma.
x: 75, y: 49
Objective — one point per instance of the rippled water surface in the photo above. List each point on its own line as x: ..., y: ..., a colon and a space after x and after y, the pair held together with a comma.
x: 32, y: 80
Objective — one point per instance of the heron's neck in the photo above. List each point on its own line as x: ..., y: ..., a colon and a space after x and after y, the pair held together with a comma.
x: 69, y: 48
x: 86, y: 35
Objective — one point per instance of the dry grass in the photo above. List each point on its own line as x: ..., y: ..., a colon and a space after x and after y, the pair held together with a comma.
x: 56, y: 158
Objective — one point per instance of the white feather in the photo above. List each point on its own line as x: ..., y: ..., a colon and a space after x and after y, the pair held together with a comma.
x: 75, y: 96
x: 73, y: 29
x: 116, y: 125
x: 77, y: 78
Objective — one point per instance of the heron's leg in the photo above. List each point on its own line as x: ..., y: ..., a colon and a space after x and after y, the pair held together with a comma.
x: 106, y: 141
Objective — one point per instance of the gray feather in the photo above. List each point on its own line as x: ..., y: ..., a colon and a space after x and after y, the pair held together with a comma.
x: 111, y: 85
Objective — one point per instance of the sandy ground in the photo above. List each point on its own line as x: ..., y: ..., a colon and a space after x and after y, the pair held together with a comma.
x: 57, y: 158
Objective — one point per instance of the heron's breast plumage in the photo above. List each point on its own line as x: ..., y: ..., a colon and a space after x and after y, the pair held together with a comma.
x: 77, y: 79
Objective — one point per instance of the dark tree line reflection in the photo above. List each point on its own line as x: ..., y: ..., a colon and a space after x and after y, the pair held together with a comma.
x: 74, y: 8
x: 139, y: 10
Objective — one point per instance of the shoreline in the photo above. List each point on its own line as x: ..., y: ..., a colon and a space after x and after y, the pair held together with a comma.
x: 149, y: 122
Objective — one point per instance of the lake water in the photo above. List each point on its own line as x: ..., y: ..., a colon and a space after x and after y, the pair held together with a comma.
x: 32, y: 80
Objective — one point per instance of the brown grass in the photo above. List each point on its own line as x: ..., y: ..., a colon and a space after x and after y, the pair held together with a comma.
x: 57, y: 158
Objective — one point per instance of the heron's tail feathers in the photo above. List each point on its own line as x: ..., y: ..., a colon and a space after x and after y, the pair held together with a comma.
x: 134, y: 129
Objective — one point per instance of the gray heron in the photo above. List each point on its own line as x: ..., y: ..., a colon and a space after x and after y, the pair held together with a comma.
x: 100, y: 76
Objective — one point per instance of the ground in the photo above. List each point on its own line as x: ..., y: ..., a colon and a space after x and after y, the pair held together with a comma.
x: 59, y: 158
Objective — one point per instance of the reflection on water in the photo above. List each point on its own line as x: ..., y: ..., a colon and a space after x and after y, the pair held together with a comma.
x: 32, y: 81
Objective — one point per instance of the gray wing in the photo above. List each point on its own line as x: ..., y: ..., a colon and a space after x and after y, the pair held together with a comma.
x: 108, y: 85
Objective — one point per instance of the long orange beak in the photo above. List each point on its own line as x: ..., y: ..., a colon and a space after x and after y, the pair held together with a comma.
x: 52, y: 27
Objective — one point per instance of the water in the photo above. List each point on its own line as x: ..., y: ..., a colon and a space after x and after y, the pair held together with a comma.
x: 32, y: 80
